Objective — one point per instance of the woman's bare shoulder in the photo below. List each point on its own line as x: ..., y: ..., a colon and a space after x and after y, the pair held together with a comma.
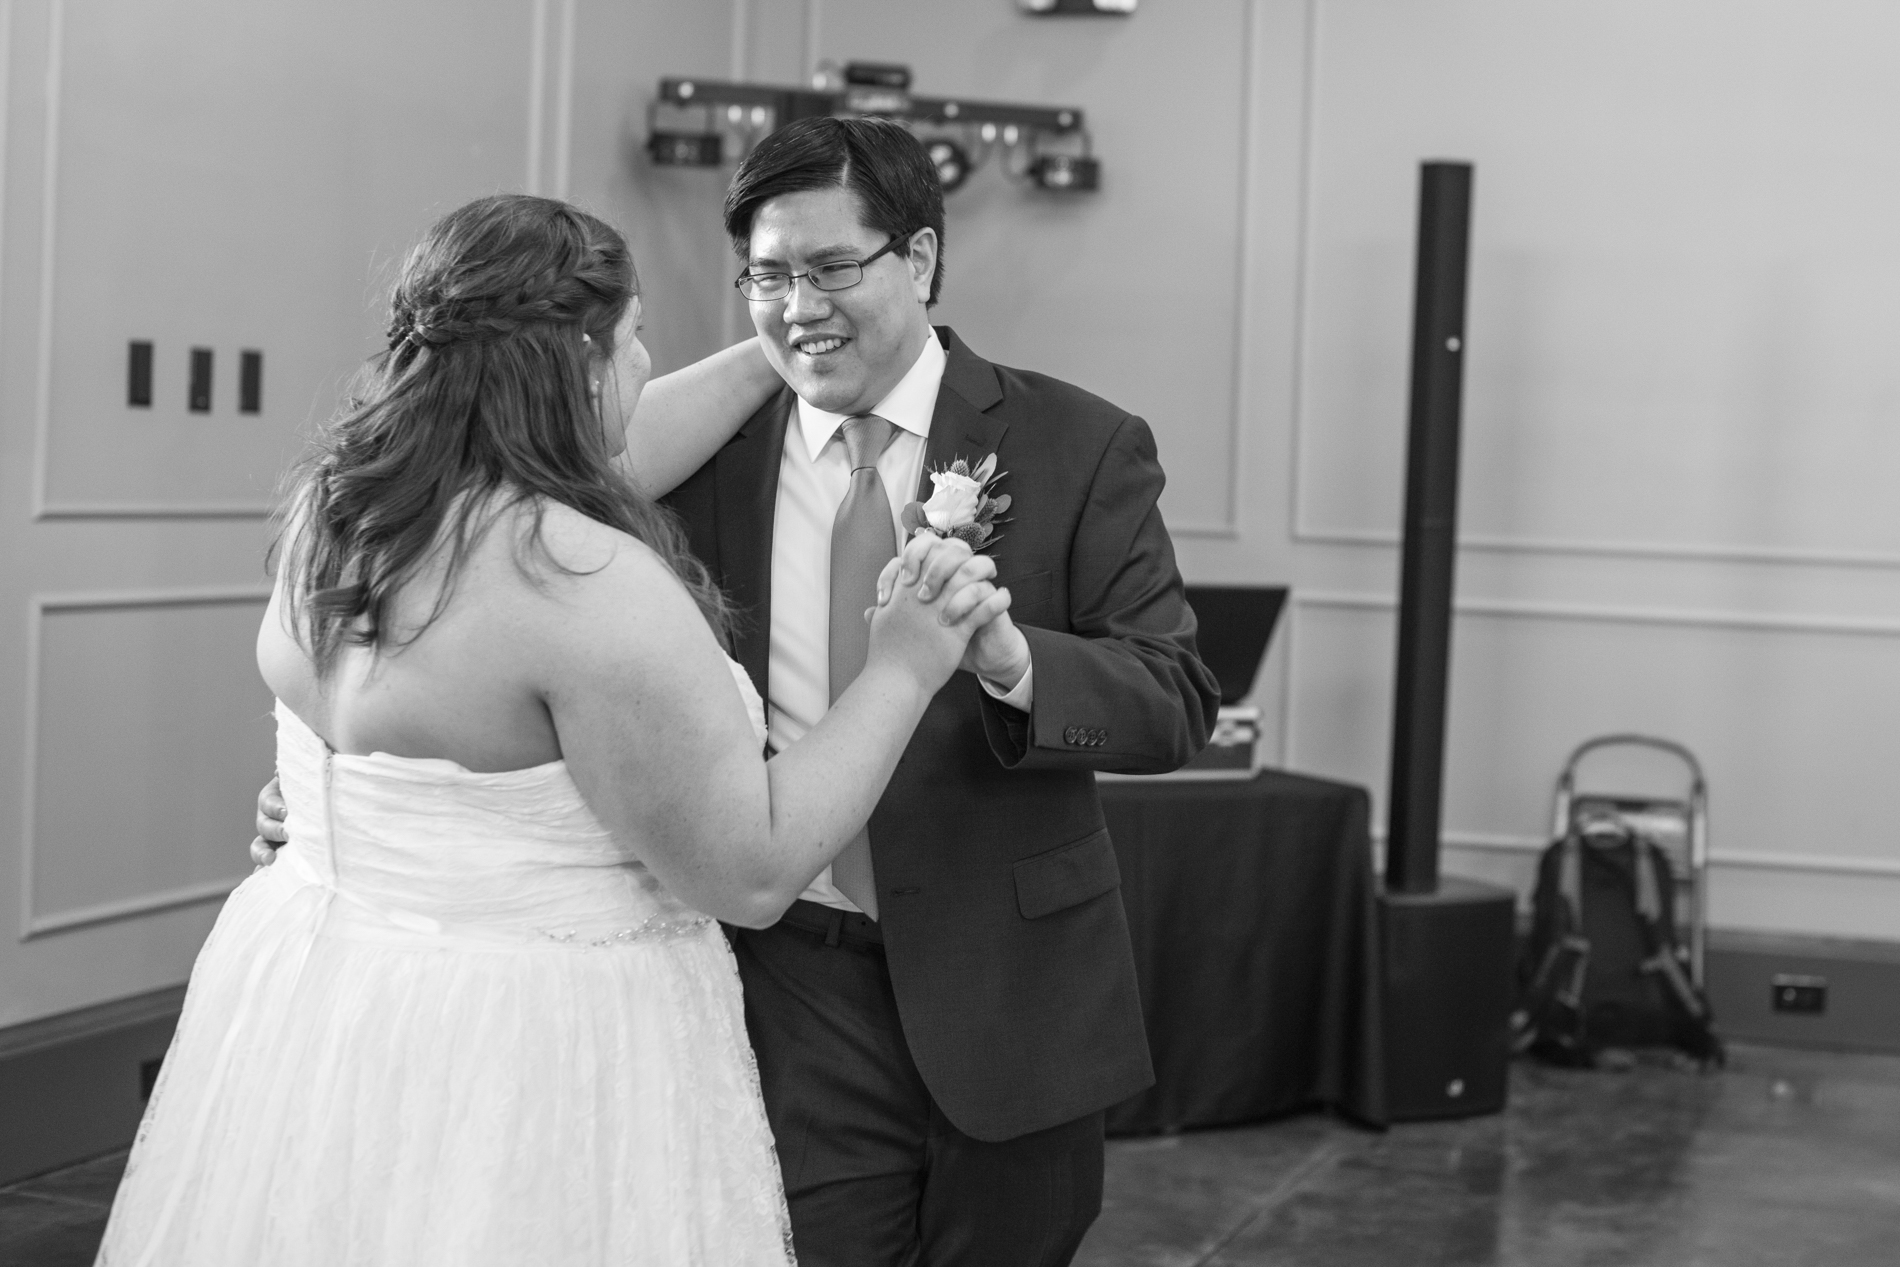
x: 588, y: 579
x: 560, y: 549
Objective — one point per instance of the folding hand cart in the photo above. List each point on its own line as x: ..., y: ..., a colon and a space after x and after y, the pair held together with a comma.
x: 1680, y: 826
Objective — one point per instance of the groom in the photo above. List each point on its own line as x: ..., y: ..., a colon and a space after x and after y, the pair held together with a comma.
x: 942, y: 1019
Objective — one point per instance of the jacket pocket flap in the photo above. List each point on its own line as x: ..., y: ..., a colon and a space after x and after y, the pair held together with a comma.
x: 1066, y: 876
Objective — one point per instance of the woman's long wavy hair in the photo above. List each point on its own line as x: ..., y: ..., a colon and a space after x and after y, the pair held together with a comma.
x: 482, y: 403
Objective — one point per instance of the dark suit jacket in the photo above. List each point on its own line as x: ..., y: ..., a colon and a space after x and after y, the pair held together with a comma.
x: 1007, y: 943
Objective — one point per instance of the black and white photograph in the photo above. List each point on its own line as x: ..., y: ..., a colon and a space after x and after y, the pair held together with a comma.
x: 949, y: 633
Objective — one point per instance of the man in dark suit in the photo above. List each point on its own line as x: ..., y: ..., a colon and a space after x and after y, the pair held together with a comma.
x: 942, y: 1019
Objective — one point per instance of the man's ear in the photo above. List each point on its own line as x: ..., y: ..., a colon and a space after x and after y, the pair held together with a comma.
x: 923, y: 262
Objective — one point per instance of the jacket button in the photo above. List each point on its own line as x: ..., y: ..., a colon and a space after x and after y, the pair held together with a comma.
x: 1069, y: 735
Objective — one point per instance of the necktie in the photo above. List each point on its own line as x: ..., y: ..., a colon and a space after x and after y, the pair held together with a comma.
x: 863, y: 540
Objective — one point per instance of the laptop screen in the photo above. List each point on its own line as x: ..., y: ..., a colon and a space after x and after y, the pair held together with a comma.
x: 1237, y: 623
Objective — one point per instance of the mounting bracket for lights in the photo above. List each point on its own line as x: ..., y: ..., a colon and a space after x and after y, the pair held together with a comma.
x: 1077, y: 8
x: 707, y: 122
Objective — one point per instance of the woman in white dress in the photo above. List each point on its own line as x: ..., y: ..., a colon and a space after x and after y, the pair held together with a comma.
x: 479, y: 1011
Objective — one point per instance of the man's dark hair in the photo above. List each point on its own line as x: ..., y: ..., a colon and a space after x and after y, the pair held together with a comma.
x: 878, y: 160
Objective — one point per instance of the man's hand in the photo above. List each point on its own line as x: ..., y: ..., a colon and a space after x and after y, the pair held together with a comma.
x: 270, y: 825
x: 998, y: 653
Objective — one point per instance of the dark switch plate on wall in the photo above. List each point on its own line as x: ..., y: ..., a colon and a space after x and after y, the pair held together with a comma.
x: 138, y: 374
x: 250, y: 381
x: 200, y: 397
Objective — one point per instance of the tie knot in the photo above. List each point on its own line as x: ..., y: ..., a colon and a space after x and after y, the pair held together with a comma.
x: 865, y: 439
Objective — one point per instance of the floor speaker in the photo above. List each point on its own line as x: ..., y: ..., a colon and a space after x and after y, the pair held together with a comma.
x: 1448, y: 986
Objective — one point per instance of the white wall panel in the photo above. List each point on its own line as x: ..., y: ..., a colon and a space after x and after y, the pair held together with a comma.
x: 150, y: 734
x: 1682, y: 310
x: 228, y: 174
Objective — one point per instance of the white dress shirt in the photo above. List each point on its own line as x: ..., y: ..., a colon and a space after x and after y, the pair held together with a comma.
x: 814, y: 475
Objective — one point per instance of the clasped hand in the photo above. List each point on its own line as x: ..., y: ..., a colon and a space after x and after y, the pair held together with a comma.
x: 943, y: 574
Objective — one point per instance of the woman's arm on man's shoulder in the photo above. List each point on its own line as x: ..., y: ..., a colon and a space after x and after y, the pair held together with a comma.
x: 684, y: 417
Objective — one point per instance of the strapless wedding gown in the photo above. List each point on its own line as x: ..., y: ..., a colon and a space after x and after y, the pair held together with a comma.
x: 453, y: 1024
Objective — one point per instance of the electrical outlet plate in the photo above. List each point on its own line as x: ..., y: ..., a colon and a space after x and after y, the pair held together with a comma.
x: 1798, y: 993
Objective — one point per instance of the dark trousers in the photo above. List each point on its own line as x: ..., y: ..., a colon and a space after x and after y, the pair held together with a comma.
x: 876, y: 1176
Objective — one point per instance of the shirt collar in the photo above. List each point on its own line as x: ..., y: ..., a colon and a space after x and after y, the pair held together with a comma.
x: 908, y: 406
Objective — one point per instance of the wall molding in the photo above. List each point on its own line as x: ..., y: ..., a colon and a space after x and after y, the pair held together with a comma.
x: 81, y: 1023
x: 1301, y: 533
x: 6, y: 101
x: 538, y: 143
x: 564, y: 100
x: 1518, y: 842
x: 1726, y: 859
x: 49, y: 215
x: 43, y: 510
x: 155, y: 510
x: 557, y: 142
x: 131, y: 908
x: 1660, y: 550
x: 71, y: 1085
x: 39, y: 606
x: 537, y: 91
x: 1247, y: 254
x: 1621, y: 614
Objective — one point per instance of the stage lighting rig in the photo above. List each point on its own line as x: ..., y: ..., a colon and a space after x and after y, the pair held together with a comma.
x: 952, y: 161
x: 707, y: 122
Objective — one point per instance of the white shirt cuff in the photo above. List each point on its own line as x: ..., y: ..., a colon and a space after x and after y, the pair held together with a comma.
x: 1020, y: 697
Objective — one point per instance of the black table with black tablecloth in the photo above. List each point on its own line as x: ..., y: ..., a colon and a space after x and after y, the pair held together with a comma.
x: 1250, y: 904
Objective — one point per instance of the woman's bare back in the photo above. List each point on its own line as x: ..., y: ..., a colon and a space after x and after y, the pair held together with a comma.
x: 470, y: 687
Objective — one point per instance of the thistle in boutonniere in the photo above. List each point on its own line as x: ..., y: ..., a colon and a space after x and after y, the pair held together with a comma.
x: 961, y: 504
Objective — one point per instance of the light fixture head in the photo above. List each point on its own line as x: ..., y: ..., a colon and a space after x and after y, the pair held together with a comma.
x: 951, y: 160
x: 685, y: 149
x: 1067, y: 173
x: 878, y: 75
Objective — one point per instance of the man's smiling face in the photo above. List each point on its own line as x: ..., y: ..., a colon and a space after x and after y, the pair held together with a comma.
x: 842, y: 350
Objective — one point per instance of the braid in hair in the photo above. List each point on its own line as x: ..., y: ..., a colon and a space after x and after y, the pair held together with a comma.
x: 481, y: 403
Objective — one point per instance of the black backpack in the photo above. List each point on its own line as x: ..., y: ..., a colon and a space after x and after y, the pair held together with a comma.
x: 1603, y: 968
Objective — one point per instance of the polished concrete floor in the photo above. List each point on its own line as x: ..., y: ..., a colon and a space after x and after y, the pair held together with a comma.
x: 1786, y: 1158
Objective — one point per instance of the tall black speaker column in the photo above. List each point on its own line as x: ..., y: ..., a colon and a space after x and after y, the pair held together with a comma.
x: 1447, y: 944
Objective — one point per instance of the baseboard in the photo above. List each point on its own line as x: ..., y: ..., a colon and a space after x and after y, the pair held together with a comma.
x: 74, y: 1086
x: 1863, y: 990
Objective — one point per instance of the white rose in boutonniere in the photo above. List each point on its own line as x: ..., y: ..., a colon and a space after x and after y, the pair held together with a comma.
x: 961, y: 504
x: 953, y: 504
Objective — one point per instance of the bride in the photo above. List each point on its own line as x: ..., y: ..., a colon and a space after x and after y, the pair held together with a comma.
x: 479, y: 1010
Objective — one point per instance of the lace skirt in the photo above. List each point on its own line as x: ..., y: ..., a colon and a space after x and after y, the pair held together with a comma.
x: 332, y: 1098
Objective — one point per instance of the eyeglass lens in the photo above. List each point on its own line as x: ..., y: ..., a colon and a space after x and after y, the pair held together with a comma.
x: 841, y: 275
x: 837, y: 275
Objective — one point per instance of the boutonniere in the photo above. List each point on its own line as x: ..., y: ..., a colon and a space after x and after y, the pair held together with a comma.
x: 961, y: 504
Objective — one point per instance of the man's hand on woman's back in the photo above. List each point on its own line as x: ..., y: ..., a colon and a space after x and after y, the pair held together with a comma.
x: 270, y: 825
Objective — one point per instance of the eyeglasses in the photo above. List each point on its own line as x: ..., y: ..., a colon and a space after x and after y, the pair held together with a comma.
x: 835, y: 275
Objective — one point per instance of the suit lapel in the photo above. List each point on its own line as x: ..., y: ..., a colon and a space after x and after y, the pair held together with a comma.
x: 746, y: 472
x: 959, y: 428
